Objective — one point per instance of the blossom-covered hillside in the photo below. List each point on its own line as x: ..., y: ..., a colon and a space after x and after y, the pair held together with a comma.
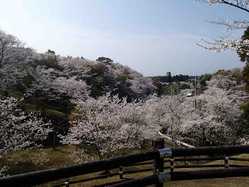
x: 106, y: 106
x: 213, y: 117
x: 53, y: 84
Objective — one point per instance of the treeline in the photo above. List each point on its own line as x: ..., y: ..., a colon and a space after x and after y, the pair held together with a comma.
x: 52, y: 85
x: 175, y: 78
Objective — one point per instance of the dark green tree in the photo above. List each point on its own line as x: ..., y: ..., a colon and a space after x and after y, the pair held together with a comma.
x: 244, y: 57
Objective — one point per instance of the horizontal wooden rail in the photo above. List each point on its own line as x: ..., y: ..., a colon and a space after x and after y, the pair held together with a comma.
x: 88, y: 179
x: 187, y: 175
x: 151, y: 169
x: 214, y: 150
x: 196, y: 159
x: 237, y: 166
x: 44, y: 176
x: 206, y: 174
x: 196, y: 166
x: 106, y: 176
x: 146, y: 181
x: 239, y: 159
x: 109, y: 184
x: 138, y: 171
x: 39, y: 177
x: 205, y: 166
x: 139, y: 164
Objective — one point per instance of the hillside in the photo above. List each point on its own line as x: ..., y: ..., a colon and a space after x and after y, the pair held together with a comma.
x: 52, y: 84
x: 104, y: 108
x: 60, y: 89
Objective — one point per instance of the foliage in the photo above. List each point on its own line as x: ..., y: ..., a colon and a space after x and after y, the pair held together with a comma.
x: 244, y: 57
x: 9, y: 47
x: 52, y: 85
x: 243, y: 53
x: 18, y: 129
x: 107, y: 107
x: 239, y: 45
x: 171, y: 89
x: 107, y: 125
x: 203, y: 79
x: 211, y: 118
x: 169, y: 78
x: 104, y: 60
x: 224, y: 43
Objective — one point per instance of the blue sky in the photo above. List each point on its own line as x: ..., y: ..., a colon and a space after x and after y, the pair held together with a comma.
x: 153, y: 37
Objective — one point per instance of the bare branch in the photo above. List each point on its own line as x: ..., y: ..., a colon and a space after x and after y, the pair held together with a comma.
x: 232, y: 24
x: 220, y: 45
x: 243, y: 5
x: 240, y: 4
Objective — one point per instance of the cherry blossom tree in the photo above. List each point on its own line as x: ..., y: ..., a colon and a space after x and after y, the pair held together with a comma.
x: 12, y: 50
x: 3, y: 171
x: 8, y: 45
x: 213, y: 121
x: 19, y: 129
x: 223, y: 43
x: 52, y: 81
x: 142, y: 86
x: 240, y: 45
x: 240, y: 4
x: 107, y: 125
x: 76, y: 89
x: 211, y: 118
x: 75, y: 66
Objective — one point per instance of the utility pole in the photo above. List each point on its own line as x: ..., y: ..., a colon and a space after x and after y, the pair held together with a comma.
x: 171, y: 100
x: 195, y: 90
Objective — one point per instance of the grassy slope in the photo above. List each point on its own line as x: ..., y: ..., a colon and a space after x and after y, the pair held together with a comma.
x: 36, y: 159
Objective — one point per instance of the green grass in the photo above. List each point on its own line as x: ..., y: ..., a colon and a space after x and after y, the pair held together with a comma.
x: 37, y: 159
x: 48, y: 111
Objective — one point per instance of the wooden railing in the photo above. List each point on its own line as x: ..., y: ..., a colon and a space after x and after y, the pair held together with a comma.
x: 44, y: 176
x: 166, y: 164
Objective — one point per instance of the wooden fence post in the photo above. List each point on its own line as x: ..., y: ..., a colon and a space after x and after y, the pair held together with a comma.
x: 172, y: 164
x: 226, y: 162
x: 66, y: 184
x: 121, y: 172
x: 159, y: 162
